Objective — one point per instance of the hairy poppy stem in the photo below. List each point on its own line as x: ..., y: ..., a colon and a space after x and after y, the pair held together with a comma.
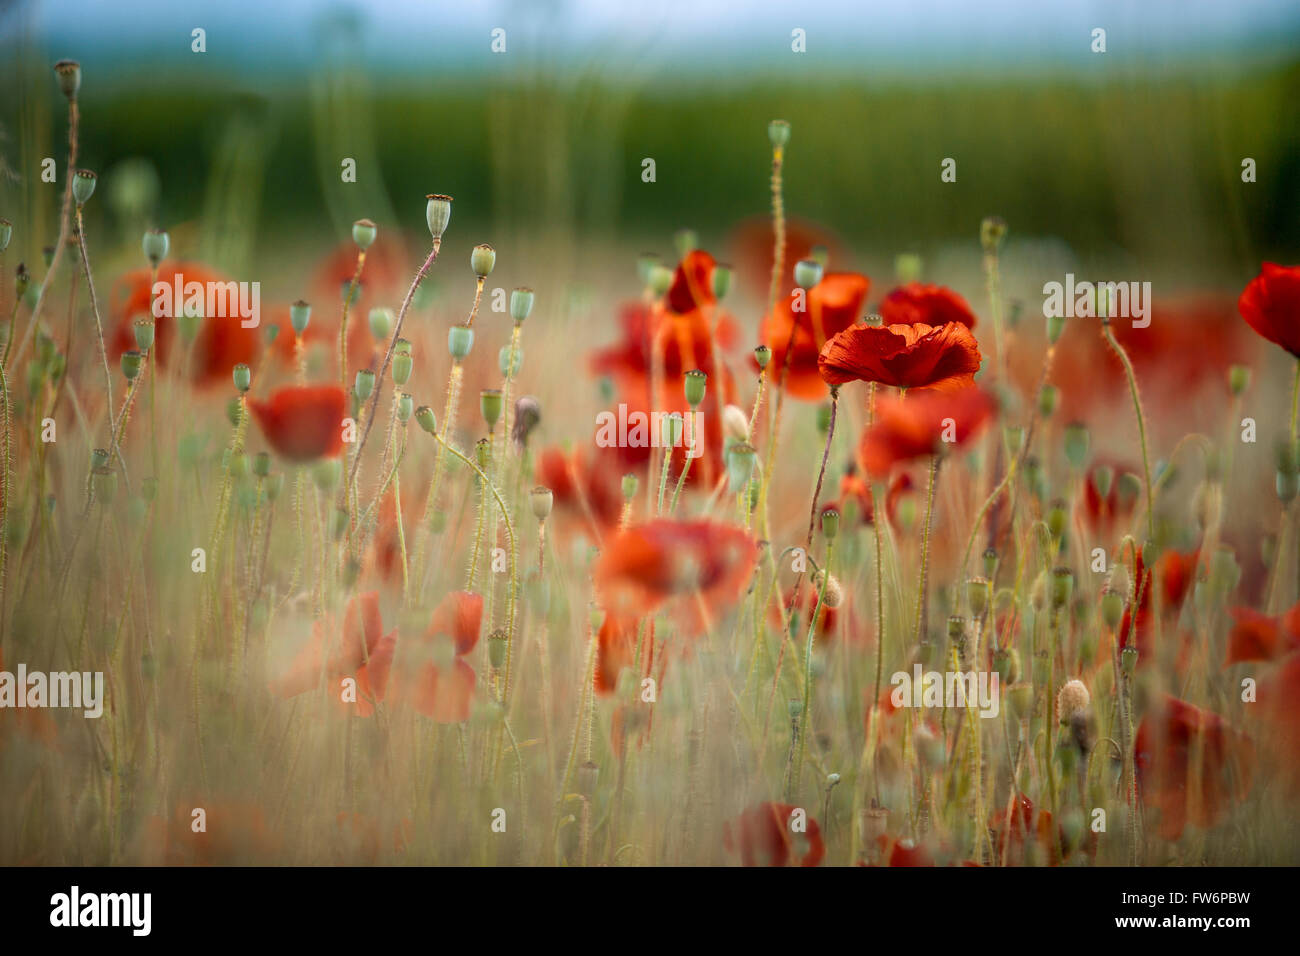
x: 921, y: 608
x: 804, y: 729
x: 1118, y: 349
x: 343, y: 322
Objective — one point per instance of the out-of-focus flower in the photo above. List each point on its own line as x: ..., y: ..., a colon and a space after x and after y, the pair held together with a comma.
x: 766, y: 835
x: 303, y: 422
x: 919, y: 304
x: 921, y: 425
x: 830, y: 307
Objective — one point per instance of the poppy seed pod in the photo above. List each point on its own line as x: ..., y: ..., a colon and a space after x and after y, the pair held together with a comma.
x: 1057, y: 516
x: 1103, y: 477
x: 830, y: 523
x: 6, y: 233
x: 762, y: 355
x: 685, y: 241
x: 497, y: 649
x: 243, y: 377
x: 262, y: 464
x: 460, y: 339
x: 990, y: 560
x: 629, y: 486
x: 1076, y: 444
x: 22, y: 279
x: 1112, y: 606
x: 155, y: 245
x: 542, y: 499
x: 69, y: 76
x: 740, y: 466
x: 1238, y: 379
x: 402, y: 362
x: 977, y: 592
x: 661, y: 277
x: 326, y: 473
x: 131, y: 362
x: 509, y: 369
x: 144, y: 334
x: 807, y: 273
x: 720, y: 281
x: 521, y: 304
x: 491, y: 405
x: 483, y: 454
x: 426, y: 419
x: 405, y: 406
x: 381, y: 323
x: 363, y: 233
x: 992, y: 231
x: 238, y: 465
x: 1062, y: 586
x: 438, y: 214
x: 299, y: 316
x: 482, y: 259
x: 778, y: 133
x: 1128, y: 660
x: 672, y: 429
x: 694, y: 387
x: 83, y: 185
x: 365, y: 383
x: 1006, y: 662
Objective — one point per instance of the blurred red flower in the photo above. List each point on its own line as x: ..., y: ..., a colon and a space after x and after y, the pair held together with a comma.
x: 303, y: 422
x: 1256, y: 636
x: 437, y: 688
x: 333, y: 652
x: 765, y: 835
x: 920, y: 425
x: 919, y: 304
x: 831, y: 306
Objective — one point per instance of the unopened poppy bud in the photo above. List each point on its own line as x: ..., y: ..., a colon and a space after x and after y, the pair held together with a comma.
x: 778, y: 133
x: 695, y: 386
x: 907, y: 267
x: 830, y: 523
x: 521, y: 304
x: 365, y: 383
x: 685, y: 241
x: 807, y: 273
x: 426, y: 419
x: 661, y: 277
x: 833, y: 595
x: 482, y: 259
x: 405, y: 406
x: 438, y: 214
x: 144, y: 334
x: 1076, y: 444
x: 460, y: 339
x: 1238, y: 379
x: 68, y: 73
x: 155, y: 244
x: 363, y: 233
x: 483, y: 454
x: 381, y: 323
x: 1062, y: 586
x: 720, y: 281
x: 98, y: 458
x: 977, y: 593
x: 630, y: 483
x: 243, y: 377
x: 131, y: 362
x: 740, y: 466
x: 542, y: 499
x: 22, y: 279
x: 509, y: 363
x: 262, y: 464
x: 497, y: 649
x: 992, y: 231
x: 83, y: 186
x: 491, y: 405
x: 762, y: 355
x: 734, y: 423
x: 1057, y: 516
x: 299, y: 316
x: 1049, y: 396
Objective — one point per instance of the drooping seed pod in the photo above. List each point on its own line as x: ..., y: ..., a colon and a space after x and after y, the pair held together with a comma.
x: 426, y: 419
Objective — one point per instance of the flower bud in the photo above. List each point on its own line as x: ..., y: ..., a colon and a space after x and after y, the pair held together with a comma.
x: 381, y: 323
x: 695, y: 386
x: 365, y: 384
x: 830, y: 523
x: 630, y: 483
x: 83, y: 186
x: 491, y: 404
x: 460, y: 339
x: 243, y: 377
x: 720, y: 281
x: 299, y: 316
x: 1073, y: 698
x: 363, y: 233
x: 778, y: 133
x: 1062, y: 586
x: 1057, y: 516
x: 426, y: 419
x: 482, y: 259
x: 1128, y: 659
x: 542, y: 499
x: 762, y: 355
x: 977, y: 593
x: 992, y: 231
x: 504, y: 357
x: 155, y: 245
x: 68, y: 73
x: 144, y: 333
x: 438, y: 214
x: 990, y: 558
x: 521, y: 304
x: 262, y: 464
x: 131, y: 362
x: 405, y: 406
x: 326, y: 473
x: 807, y: 273
x: 1076, y: 444
x: 1112, y: 606
x: 1238, y: 379
x: 740, y: 465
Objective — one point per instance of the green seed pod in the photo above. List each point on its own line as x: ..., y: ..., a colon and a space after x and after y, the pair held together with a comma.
x: 363, y: 233
x: 1238, y: 379
x: 402, y: 362
x: 830, y: 523
x: 262, y: 464
x: 1128, y: 660
x: 1076, y: 444
x: 155, y: 245
x: 490, y: 404
x: 923, y: 652
x: 990, y: 558
x: 977, y: 593
x: 685, y: 241
x: 104, y: 481
x: 460, y: 339
x: 630, y: 483
x: 22, y: 279
x: 504, y: 357
x: 243, y: 377
x: 1014, y: 437
x: 365, y: 384
x: 1103, y: 477
x: 1288, y: 458
x: 661, y: 278
x: 1057, y: 517
x: 68, y: 73
x: 144, y: 334
x: 299, y: 316
x: 956, y: 628
x: 694, y: 387
x: 740, y: 465
x: 1127, y: 488
x: 381, y: 323
x: 672, y: 429
x: 1225, y: 573
x: 426, y: 419
x: 720, y: 281
x: 807, y: 273
x: 238, y: 465
x: 438, y: 214
x: 83, y: 186
x: 762, y: 355
x: 99, y: 458
x: 270, y: 333
x: 1112, y: 606
x: 326, y: 473
x: 542, y: 501
x: 778, y: 133
x: 1006, y: 662
x: 131, y: 362
x: 521, y: 304
x: 1062, y: 586
x: 405, y: 407
x: 482, y: 259
x: 992, y: 231
x: 1021, y: 699
x: 483, y: 454
x: 1049, y: 396
x: 497, y: 649
x: 6, y: 233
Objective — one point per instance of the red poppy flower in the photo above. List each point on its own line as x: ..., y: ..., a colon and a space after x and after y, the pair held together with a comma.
x: 1259, y: 637
x: 767, y: 835
x: 303, y: 422
x: 1103, y: 514
x: 615, y: 649
x: 1176, y: 572
x: 440, y: 689
x: 942, y: 358
x: 919, y: 304
x: 332, y: 652
x: 1027, y: 837
x: 1270, y: 304
x: 831, y: 306
x: 222, y: 343
x: 1191, y: 765
x: 855, y: 488
x: 700, y: 566
x: 586, y: 488
x: 921, y: 425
